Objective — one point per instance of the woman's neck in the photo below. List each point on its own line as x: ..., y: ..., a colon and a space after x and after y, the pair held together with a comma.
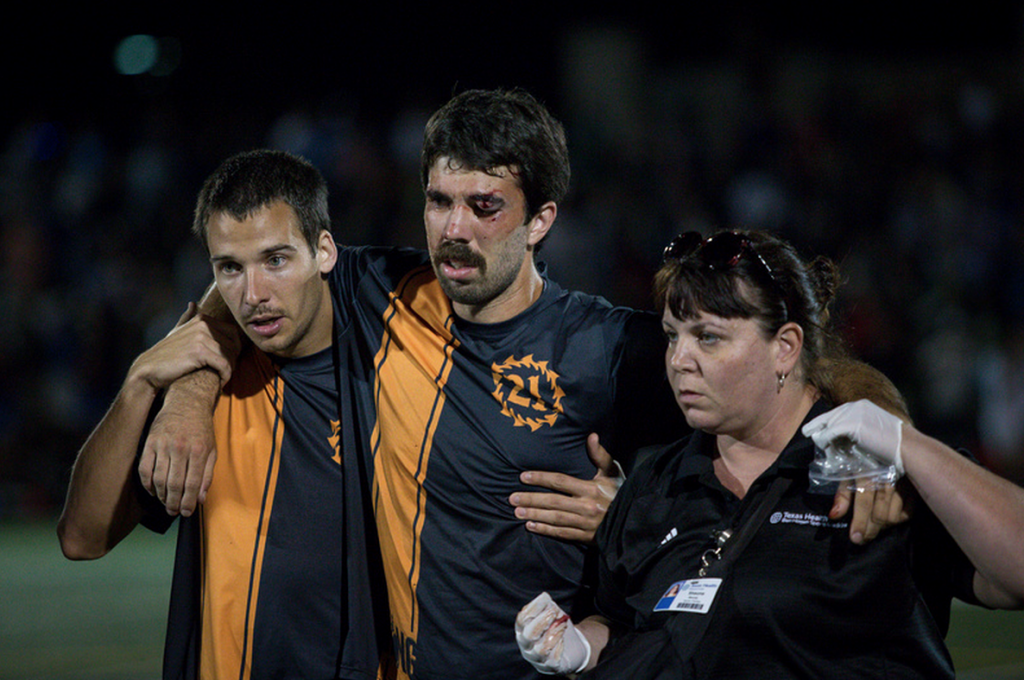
x: 741, y: 461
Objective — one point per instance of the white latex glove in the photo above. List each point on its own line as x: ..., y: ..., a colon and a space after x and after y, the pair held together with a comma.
x: 870, y: 428
x: 548, y: 640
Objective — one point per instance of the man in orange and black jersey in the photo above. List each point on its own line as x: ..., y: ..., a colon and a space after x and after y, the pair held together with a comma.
x: 273, y: 574
x: 456, y: 412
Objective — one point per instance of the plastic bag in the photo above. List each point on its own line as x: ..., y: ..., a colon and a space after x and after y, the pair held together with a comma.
x: 844, y: 461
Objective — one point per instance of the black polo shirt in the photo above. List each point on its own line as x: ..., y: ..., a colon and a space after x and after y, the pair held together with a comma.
x: 802, y: 601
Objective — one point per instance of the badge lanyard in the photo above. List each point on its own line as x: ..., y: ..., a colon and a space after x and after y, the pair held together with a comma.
x: 712, y: 561
x: 696, y: 596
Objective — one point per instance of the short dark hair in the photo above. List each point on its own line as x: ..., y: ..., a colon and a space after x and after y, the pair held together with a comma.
x: 483, y: 130
x: 252, y: 180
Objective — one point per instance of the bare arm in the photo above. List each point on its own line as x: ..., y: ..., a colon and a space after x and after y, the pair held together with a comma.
x: 101, y: 508
x: 598, y: 632
x: 983, y: 512
x: 179, y: 454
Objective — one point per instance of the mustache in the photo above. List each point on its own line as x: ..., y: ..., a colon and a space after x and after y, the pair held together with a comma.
x: 261, y: 312
x: 458, y: 252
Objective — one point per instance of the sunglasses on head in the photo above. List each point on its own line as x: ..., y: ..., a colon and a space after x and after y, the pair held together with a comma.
x: 720, y: 252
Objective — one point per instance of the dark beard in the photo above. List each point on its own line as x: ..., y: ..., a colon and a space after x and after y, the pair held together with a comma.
x: 474, y: 294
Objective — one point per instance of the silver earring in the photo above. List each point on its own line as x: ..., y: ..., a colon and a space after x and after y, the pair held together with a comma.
x: 782, y: 381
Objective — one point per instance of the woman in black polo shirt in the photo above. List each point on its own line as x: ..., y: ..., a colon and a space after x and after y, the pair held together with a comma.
x: 721, y: 557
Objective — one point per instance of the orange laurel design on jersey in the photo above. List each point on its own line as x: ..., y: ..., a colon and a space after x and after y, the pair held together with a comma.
x: 335, y: 441
x: 528, y: 392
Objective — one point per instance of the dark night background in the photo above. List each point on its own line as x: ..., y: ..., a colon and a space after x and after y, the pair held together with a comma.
x: 892, y: 143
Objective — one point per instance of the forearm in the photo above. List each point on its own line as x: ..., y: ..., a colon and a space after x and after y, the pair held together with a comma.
x: 196, y: 392
x: 983, y: 512
x: 101, y: 507
x: 598, y: 632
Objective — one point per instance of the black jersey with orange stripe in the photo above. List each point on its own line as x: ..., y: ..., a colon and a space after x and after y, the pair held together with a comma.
x: 449, y: 414
x: 272, y: 578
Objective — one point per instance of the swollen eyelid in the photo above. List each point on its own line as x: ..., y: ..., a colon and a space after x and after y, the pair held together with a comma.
x: 489, y: 203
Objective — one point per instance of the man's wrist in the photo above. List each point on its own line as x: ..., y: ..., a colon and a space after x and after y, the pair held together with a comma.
x: 200, y: 387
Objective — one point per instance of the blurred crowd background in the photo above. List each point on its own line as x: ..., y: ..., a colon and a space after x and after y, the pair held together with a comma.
x: 893, y: 145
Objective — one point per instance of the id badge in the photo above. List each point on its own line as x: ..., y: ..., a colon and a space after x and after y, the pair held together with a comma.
x: 695, y: 596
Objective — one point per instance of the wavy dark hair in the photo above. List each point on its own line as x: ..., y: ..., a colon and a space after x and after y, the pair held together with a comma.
x: 483, y: 130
